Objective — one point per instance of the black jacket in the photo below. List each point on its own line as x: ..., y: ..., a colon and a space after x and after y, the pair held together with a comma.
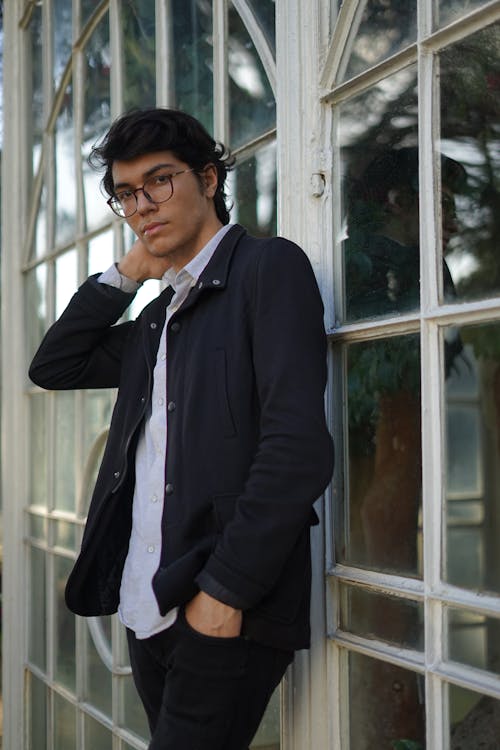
x: 248, y: 448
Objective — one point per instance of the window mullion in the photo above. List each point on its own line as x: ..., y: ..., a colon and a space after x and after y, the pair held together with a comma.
x: 221, y: 98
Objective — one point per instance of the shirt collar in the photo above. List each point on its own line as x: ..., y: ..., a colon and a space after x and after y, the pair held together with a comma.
x: 197, y: 265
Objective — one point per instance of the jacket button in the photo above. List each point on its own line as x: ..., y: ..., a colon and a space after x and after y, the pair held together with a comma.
x: 153, y: 326
x: 169, y: 489
x: 216, y: 282
x: 175, y: 327
x: 116, y: 474
x: 171, y: 406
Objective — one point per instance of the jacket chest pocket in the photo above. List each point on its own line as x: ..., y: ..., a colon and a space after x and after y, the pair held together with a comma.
x: 228, y: 427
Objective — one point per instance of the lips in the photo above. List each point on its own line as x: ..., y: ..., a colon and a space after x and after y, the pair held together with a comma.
x: 152, y: 228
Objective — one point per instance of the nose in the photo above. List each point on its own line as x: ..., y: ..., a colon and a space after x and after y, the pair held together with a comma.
x: 144, y: 205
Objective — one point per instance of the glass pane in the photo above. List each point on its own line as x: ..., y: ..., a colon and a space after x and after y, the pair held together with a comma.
x: 64, y: 535
x: 474, y: 719
x: 450, y: 10
x: 379, y: 527
x: 64, y: 645
x: 38, y: 464
x: 98, y: 690
x: 97, y: 736
x: 191, y: 60
x: 65, y: 172
x: 378, y: 136
x: 268, y: 734
x: 97, y: 415
x: 252, y: 190
x: 64, y: 724
x: 37, y: 527
x: 386, y: 705
x: 387, y: 618
x: 64, y: 492
x: 133, y: 714
x: 265, y: 13
x: 97, y: 118
x: 101, y: 254
x: 63, y: 35
x: 35, y: 124
x: 386, y: 27
x: 37, y: 714
x: 88, y: 7
x: 37, y: 647
x: 138, y: 39
x: 252, y: 109
x: 470, y: 141
x: 473, y: 639
x: 472, y: 482
x: 66, y: 279
x: 40, y: 238
x: 36, y: 308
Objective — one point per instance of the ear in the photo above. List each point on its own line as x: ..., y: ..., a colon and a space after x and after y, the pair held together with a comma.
x: 210, y: 179
x: 399, y: 200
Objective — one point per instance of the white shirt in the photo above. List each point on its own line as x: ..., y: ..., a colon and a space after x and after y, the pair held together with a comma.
x: 138, y: 608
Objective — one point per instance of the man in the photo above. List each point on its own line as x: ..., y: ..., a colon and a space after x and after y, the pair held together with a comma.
x: 198, y: 530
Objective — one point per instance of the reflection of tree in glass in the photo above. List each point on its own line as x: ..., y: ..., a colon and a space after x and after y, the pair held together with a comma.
x: 192, y: 60
x: 470, y: 130
x: 386, y: 26
x: 138, y: 22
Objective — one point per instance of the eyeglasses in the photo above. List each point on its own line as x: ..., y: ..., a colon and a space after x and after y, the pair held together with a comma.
x: 157, y: 189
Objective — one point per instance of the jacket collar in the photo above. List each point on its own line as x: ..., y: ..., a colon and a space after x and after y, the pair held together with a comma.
x: 216, y: 272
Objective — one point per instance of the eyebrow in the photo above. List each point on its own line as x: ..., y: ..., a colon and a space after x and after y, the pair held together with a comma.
x: 145, y: 175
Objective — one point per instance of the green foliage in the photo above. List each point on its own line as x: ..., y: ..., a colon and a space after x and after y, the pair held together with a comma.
x: 406, y: 745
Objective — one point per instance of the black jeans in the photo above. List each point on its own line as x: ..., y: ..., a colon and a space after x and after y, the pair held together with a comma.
x: 203, y: 693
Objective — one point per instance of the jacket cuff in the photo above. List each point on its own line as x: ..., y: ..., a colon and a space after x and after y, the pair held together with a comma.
x: 230, y: 592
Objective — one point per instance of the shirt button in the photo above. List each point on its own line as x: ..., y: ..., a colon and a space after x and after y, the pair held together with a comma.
x: 171, y: 406
x: 160, y: 401
x: 151, y: 548
x: 154, y: 499
x: 163, y: 356
x: 169, y: 489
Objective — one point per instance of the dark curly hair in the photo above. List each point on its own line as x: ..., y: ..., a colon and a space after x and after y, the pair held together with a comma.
x: 144, y: 131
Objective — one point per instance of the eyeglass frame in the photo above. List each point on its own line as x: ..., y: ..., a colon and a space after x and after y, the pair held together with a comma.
x: 114, y: 197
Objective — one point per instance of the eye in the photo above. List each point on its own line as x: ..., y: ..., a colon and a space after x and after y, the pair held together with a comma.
x: 124, y: 195
x: 160, y: 179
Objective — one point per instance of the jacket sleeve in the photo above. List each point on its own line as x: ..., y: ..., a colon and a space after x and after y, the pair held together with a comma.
x: 83, y: 348
x: 293, y: 462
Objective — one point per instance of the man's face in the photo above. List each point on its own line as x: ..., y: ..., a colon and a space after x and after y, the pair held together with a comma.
x: 180, y: 227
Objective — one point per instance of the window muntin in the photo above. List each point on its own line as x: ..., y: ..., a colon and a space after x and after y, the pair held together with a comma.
x: 470, y: 135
